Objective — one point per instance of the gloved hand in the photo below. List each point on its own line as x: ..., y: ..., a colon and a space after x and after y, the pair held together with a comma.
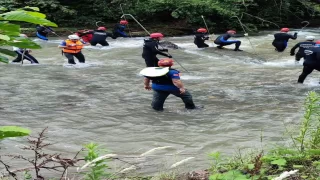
x: 164, y: 50
x: 169, y: 56
x: 292, y: 54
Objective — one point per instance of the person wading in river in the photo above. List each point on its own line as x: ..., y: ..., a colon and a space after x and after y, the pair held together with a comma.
x: 200, y: 37
x: 302, y: 46
x: 281, y: 39
x: 222, y: 40
x: 168, y: 84
x: 43, y: 31
x: 312, y: 61
x: 99, y: 36
x: 119, y: 28
x: 24, y: 53
x: 72, y: 48
x: 150, y: 50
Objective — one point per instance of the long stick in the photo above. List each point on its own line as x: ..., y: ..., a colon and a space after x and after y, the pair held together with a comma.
x: 175, y: 60
x: 136, y: 21
x: 246, y: 33
x: 205, y: 24
x: 126, y: 20
x: 305, y: 25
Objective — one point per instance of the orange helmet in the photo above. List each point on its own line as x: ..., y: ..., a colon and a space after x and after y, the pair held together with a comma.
x: 285, y: 30
x: 156, y: 35
x: 202, y: 30
x: 165, y: 62
x: 102, y: 28
x: 123, y: 22
x: 231, y: 32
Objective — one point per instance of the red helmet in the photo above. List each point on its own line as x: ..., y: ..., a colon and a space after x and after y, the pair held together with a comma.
x: 102, y: 28
x: 123, y: 22
x: 156, y: 35
x: 231, y: 32
x: 202, y: 30
x: 285, y: 30
x: 318, y: 42
x: 165, y: 62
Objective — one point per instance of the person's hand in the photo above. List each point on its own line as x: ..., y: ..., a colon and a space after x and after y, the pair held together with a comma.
x: 169, y: 56
x: 147, y: 88
x: 182, y: 90
x: 165, y: 50
x: 246, y: 34
x: 292, y: 54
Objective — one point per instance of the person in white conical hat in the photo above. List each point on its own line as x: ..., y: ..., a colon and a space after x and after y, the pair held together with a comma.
x: 309, y: 42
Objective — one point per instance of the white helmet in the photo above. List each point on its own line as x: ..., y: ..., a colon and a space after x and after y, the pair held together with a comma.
x: 73, y: 36
x: 310, y: 38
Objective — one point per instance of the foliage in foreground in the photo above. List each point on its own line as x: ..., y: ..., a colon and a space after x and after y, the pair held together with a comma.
x: 304, y: 155
x: 9, y: 32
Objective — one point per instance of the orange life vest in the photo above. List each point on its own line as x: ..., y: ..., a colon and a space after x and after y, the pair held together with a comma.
x: 73, y: 47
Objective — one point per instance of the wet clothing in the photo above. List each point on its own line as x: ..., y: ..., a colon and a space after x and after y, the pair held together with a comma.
x: 312, y: 62
x: 302, y: 46
x: 84, y: 35
x: 99, y: 37
x: 72, y: 50
x: 199, y: 39
x: 222, y: 40
x: 42, y: 32
x: 150, y: 51
x: 280, y: 41
x: 163, y: 87
x: 118, y: 31
x: 22, y: 56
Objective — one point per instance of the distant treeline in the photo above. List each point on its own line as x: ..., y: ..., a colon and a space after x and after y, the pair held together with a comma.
x: 219, y: 14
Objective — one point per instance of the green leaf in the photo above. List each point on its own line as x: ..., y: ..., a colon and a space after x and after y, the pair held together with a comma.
x: 13, y: 131
x: 26, y: 16
x: 9, y: 29
x: 4, y: 60
x: 37, y: 14
x: 7, y: 52
x: 24, y: 43
x: 4, y: 37
x: 279, y: 162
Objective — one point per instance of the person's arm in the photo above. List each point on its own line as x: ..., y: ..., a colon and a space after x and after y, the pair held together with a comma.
x: 293, y: 49
x: 294, y: 36
x: 63, y: 45
x: 178, y: 83
x: 146, y: 83
x: 157, y: 51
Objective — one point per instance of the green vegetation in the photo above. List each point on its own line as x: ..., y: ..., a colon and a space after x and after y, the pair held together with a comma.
x: 9, y: 32
x: 13, y: 131
x: 178, y: 13
x: 303, y: 155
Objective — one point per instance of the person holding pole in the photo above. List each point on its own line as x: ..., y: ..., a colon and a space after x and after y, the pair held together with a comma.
x: 200, y: 37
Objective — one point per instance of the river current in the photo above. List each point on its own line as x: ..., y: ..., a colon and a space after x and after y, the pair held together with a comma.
x: 246, y: 96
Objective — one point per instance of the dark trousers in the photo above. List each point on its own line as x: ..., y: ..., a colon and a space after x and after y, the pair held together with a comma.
x: 160, y: 96
x: 26, y: 56
x: 103, y: 43
x: 306, y: 71
x: 237, y: 43
x: 78, y: 55
x: 151, y: 62
x: 203, y: 45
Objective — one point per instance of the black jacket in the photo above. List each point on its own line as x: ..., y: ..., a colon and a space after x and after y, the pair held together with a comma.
x: 199, y: 38
x: 302, y: 46
x: 283, y: 37
x: 99, y: 35
x: 150, y: 49
x: 312, y: 57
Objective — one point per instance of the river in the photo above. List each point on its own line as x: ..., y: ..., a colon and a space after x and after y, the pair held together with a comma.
x: 246, y: 98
